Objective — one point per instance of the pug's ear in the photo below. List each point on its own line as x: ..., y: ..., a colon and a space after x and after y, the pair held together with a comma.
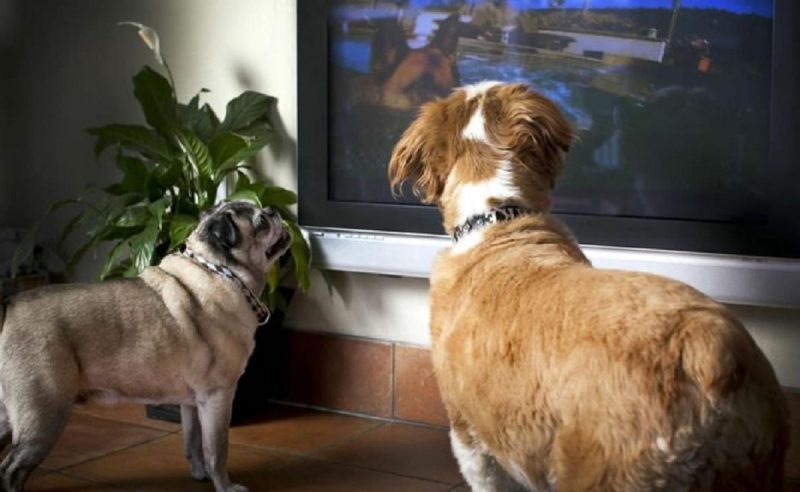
x: 224, y: 230
x: 206, y: 213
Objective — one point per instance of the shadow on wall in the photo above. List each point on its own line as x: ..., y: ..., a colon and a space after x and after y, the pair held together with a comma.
x: 282, y: 149
x: 8, y: 21
x: 69, y: 68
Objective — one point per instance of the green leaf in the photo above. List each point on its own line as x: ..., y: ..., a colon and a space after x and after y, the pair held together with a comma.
x: 111, y: 233
x: 259, y: 131
x: 142, y: 246
x: 188, y: 113
x: 226, y: 146
x: 168, y: 175
x: 159, y: 207
x: 301, y: 255
x: 25, y: 249
x: 68, y: 229
x: 138, y: 215
x: 200, y: 159
x: 206, y: 123
x: 276, y: 300
x: 274, y: 276
x: 157, y: 100
x: 122, y: 269
x: 134, y: 137
x: 245, y: 195
x: 110, y: 263
x: 26, y: 246
x: 246, y: 108
x: 242, y: 181
x: 257, y: 186
x: 276, y: 196
x: 197, y: 152
x: 134, y: 173
x: 179, y: 229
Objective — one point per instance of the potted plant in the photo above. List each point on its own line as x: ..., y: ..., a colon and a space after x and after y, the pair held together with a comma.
x: 172, y: 170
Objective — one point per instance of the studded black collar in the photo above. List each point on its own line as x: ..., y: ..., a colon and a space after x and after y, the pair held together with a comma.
x: 479, y: 221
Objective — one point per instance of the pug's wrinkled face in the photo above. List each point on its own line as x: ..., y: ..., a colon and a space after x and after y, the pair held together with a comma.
x: 240, y: 234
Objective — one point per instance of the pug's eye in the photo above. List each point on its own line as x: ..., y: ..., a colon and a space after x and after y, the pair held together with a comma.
x: 261, y: 222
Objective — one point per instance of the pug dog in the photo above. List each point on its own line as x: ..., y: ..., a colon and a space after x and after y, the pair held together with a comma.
x: 179, y: 333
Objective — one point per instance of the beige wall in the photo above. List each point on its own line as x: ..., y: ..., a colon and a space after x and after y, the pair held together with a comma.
x: 75, y: 68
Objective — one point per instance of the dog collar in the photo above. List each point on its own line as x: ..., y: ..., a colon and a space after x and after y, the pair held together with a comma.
x: 262, y: 312
x: 479, y: 221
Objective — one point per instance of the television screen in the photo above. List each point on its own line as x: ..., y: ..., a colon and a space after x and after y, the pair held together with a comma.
x: 670, y: 98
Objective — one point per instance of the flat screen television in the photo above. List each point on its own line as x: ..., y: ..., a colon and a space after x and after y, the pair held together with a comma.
x: 686, y: 111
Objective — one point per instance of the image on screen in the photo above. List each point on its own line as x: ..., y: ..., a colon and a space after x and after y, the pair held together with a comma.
x: 670, y: 98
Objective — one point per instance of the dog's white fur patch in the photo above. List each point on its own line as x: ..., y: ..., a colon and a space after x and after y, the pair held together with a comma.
x: 483, y: 473
x: 473, y: 199
x: 474, y: 90
x: 519, y: 476
x: 476, y: 128
x: 470, y: 460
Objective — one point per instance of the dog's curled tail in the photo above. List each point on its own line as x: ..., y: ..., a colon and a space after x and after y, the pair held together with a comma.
x: 739, y: 394
x: 717, y: 353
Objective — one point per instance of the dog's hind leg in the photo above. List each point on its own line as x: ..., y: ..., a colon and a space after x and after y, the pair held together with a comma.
x: 5, y: 428
x: 481, y: 471
x: 193, y: 441
x: 36, y: 430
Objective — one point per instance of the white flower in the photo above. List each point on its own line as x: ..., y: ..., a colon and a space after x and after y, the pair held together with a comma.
x: 149, y: 36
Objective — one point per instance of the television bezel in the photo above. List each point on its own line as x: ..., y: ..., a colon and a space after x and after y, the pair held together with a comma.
x: 778, y: 238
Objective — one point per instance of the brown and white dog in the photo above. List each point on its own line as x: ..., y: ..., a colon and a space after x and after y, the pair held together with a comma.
x: 556, y: 375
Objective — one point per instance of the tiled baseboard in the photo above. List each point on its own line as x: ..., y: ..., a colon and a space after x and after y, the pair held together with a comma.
x: 369, y: 377
x: 386, y: 380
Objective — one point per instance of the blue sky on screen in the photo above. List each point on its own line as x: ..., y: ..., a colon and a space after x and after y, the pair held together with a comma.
x: 760, y: 7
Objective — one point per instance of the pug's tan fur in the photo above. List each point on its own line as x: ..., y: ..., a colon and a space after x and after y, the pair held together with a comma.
x: 559, y: 376
x: 176, y: 334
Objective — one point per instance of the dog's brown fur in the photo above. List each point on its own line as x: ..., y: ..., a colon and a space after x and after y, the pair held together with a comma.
x: 572, y: 378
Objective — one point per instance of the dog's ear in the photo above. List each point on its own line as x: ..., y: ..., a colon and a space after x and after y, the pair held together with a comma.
x: 224, y: 230
x: 531, y: 127
x: 417, y: 157
x: 204, y: 214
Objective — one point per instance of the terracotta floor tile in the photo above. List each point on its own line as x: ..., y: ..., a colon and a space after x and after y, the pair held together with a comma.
x: 57, y: 482
x: 130, y: 413
x: 89, y: 437
x: 299, y: 430
x: 402, y: 449
x: 314, y: 475
x: 160, y: 466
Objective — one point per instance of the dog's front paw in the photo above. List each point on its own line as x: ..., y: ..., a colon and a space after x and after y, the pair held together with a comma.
x: 198, y: 470
x: 235, y: 487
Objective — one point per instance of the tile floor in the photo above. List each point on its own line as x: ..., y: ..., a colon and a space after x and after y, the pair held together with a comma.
x: 109, y: 449
x: 290, y: 449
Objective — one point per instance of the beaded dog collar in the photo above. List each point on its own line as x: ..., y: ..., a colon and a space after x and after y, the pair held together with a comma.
x: 493, y: 216
x: 262, y: 312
